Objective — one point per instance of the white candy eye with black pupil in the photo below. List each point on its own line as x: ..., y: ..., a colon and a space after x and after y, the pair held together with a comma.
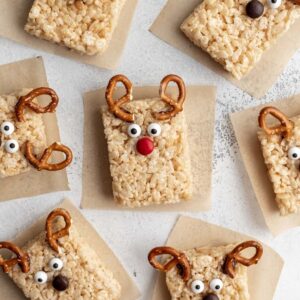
x: 40, y: 277
x: 197, y: 286
x: 216, y: 285
x: 7, y: 128
x: 56, y: 264
x: 154, y: 129
x: 11, y: 146
x: 134, y: 130
x: 294, y: 153
x: 274, y: 3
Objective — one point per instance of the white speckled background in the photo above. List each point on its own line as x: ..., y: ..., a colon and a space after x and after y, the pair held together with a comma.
x: 145, y: 61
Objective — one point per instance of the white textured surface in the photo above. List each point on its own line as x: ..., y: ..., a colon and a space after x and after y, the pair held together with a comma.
x: 131, y: 235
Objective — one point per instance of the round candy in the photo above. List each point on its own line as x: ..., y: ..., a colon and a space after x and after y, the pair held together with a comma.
x: 56, y: 264
x: 255, y: 9
x: 274, y: 3
x: 134, y: 130
x: 60, y: 283
x: 11, y: 146
x: 216, y: 285
x: 197, y: 286
x: 211, y: 297
x: 145, y: 146
x: 154, y: 129
x: 7, y: 128
x: 40, y: 277
x: 294, y: 153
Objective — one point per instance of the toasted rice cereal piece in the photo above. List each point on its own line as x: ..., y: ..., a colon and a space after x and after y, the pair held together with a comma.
x: 230, y: 37
x: 283, y: 172
x: 86, y: 26
x: 88, y: 278
x: 207, y: 264
x: 32, y: 130
x: 162, y: 177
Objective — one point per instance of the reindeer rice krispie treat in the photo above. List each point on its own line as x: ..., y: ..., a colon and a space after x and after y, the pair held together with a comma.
x: 147, y: 146
x: 217, y: 273
x: 236, y: 33
x: 86, y: 26
x: 22, y: 133
x: 281, y: 151
x: 58, y: 265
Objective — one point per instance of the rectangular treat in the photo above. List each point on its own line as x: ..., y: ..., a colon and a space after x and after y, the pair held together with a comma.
x: 283, y: 171
x: 86, y: 26
x: 160, y: 178
x: 32, y: 129
x: 233, y: 39
x: 88, y: 278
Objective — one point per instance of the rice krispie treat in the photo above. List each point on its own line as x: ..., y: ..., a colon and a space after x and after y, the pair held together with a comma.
x: 281, y: 151
x: 236, y: 33
x: 58, y: 265
x: 86, y: 26
x: 22, y: 133
x: 147, y: 146
x: 217, y: 273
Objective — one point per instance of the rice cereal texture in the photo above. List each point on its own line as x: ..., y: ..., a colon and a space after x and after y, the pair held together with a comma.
x: 86, y: 26
x: 283, y: 171
x: 88, y: 277
x: 31, y: 130
x: 162, y: 177
x: 207, y: 265
x: 230, y: 37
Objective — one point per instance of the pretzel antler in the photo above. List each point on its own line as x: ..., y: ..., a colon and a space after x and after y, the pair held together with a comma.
x: 284, y: 128
x: 52, y: 237
x: 235, y: 257
x: 42, y: 163
x: 115, y: 106
x: 22, y: 258
x: 27, y: 100
x: 176, y: 106
x: 179, y: 259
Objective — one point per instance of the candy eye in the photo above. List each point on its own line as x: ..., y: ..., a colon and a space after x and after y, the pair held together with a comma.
x: 197, y: 286
x: 56, y: 264
x: 7, y: 128
x: 134, y: 130
x: 11, y: 146
x: 274, y: 3
x: 216, y: 285
x: 40, y: 277
x: 294, y: 153
x: 154, y: 129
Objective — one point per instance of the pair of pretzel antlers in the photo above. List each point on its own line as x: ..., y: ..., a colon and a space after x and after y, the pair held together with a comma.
x: 286, y: 126
x: 115, y: 106
x: 180, y: 259
x: 27, y: 101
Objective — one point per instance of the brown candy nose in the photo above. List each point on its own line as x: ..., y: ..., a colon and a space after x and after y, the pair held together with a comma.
x: 255, y: 9
x: 60, y: 283
x: 211, y: 297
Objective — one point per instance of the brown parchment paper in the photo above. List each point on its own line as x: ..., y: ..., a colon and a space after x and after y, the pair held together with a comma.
x: 31, y: 73
x: 13, y: 17
x: 199, y: 109
x: 245, y: 126
x: 129, y: 290
x: 258, y: 81
x: 190, y: 233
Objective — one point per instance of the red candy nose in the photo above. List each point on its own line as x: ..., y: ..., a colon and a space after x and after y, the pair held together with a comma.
x: 145, y: 146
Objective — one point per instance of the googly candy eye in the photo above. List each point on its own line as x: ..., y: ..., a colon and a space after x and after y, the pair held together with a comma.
x: 154, y: 129
x: 216, y: 285
x: 134, y: 130
x: 7, y: 128
x: 56, y: 264
x: 11, y: 146
x: 40, y: 277
x: 274, y: 3
x: 197, y: 286
x: 294, y: 153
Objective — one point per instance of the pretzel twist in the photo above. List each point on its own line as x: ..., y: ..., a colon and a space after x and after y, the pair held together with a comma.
x: 235, y: 257
x: 42, y: 163
x: 175, y: 106
x: 285, y: 127
x: 27, y: 101
x: 22, y: 258
x: 52, y: 237
x: 179, y: 258
x: 115, y: 106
